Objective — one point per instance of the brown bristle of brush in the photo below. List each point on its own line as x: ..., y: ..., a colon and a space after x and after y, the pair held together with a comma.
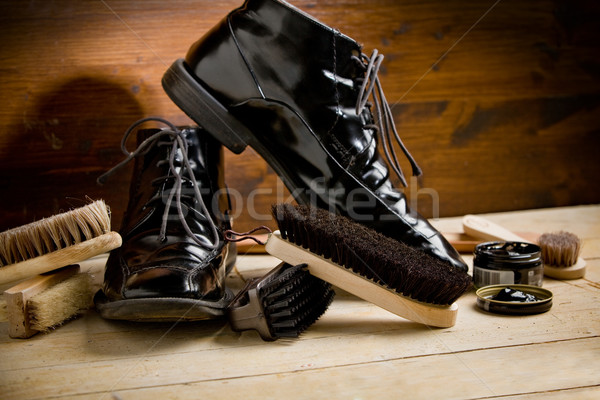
x: 560, y: 249
x: 376, y: 257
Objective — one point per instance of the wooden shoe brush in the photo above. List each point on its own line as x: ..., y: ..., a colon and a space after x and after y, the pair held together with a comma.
x: 357, y: 259
x: 46, y: 301
x: 281, y: 304
x: 560, y: 251
x: 55, y: 242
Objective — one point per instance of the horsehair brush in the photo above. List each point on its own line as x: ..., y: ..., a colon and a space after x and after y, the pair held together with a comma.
x: 560, y: 253
x: 57, y: 241
x: 361, y: 261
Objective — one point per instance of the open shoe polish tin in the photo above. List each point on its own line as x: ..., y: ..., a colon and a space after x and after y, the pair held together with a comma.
x: 487, y: 299
x: 507, y: 263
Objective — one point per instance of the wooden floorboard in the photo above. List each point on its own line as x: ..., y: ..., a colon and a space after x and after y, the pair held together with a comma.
x: 356, y: 350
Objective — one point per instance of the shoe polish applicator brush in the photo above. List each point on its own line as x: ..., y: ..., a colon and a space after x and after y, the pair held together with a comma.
x: 281, y: 304
x: 55, y: 242
x: 359, y: 260
x: 45, y: 301
x: 560, y: 251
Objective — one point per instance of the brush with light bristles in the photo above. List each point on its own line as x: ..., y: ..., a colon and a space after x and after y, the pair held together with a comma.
x: 281, y: 304
x: 359, y: 260
x: 560, y: 253
x: 55, y: 242
x: 45, y: 301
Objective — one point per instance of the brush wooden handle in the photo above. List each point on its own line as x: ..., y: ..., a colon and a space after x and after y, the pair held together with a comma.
x: 57, y: 259
x: 462, y: 242
x: 575, y: 271
x: 17, y: 297
x: 428, y: 314
x: 482, y: 228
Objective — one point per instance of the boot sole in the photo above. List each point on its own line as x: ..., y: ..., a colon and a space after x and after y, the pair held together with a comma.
x: 167, y: 308
x: 203, y: 108
x: 161, y: 308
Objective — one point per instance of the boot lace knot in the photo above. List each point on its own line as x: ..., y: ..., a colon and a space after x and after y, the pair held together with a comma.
x: 175, y: 138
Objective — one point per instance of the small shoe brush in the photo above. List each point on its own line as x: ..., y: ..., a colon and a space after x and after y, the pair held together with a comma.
x: 560, y: 252
x: 281, y: 304
x: 45, y: 301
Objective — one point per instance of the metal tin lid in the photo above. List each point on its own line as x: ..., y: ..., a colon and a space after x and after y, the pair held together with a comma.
x: 486, y: 302
x: 507, y: 255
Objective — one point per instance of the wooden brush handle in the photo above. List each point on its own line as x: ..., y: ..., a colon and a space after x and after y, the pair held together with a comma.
x: 462, y: 242
x: 482, y: 228
x: 428, y: 314
x: 575, y: 271
x: 60, y: 258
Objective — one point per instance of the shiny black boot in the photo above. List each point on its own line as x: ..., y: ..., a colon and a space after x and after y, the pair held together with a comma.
x: 173, y: 261
x: 295, y: 90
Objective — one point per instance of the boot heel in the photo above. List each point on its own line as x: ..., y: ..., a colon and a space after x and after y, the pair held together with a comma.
x: 203, y: 108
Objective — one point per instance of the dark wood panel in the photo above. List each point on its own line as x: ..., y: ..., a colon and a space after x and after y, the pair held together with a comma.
x: 499, y: 102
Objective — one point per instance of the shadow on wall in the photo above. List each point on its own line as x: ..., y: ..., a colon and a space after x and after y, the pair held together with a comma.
x: 55, y: 149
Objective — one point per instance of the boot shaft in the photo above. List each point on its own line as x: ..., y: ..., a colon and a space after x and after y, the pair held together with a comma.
x: 268, y: 49
x: 286, y: 72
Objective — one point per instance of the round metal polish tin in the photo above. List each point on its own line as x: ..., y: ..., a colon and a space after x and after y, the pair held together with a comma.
x: 486, y: 301
x: 507, y: 263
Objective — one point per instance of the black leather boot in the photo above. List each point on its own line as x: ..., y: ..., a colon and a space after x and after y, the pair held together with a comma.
x: 173, y: 261
x: 272, y: 77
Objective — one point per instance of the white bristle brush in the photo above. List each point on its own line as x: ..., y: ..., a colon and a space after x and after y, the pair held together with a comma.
x: 45, y: 301
x: 55, y: 242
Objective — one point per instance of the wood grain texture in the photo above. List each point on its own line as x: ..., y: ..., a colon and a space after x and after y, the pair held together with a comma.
x: 497, y: 101
x: 355, y: 350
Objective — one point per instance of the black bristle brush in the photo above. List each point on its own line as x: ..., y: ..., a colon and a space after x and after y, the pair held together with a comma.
x: 359, y: 260
x: 281, y: 304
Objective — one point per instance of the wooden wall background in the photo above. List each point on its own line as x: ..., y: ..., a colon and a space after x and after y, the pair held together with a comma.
x: 508, y: 119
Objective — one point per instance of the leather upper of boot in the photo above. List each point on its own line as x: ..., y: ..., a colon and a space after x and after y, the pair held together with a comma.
x: 295, y: 83
x: 151, y: 263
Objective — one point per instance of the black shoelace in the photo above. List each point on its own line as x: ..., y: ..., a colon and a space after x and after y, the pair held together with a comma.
x: 179, y: 145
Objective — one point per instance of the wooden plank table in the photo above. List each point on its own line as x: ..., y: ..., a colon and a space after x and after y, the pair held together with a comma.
x: 356, y: 350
